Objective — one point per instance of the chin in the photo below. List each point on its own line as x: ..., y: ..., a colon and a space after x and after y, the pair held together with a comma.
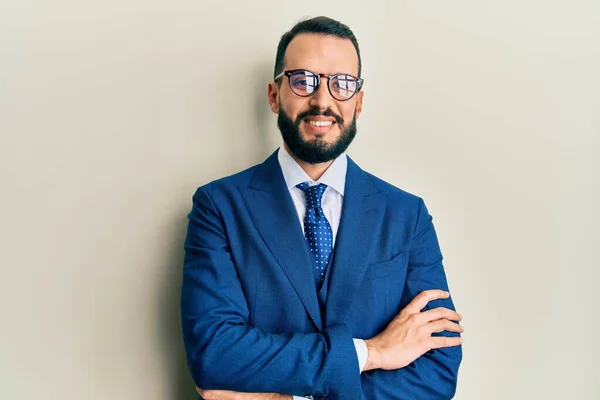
x: 328, y: 137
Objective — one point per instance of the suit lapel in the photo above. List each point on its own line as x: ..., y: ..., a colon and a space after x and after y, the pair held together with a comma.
x: 362, y: 215
x: 275, y: 217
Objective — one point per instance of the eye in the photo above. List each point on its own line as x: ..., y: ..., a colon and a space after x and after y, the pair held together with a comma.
x: 344, y: 83
x: 304, y: 82
x: 299, y: 82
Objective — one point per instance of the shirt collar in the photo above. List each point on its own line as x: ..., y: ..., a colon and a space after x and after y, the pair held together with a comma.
x: 334, y: 176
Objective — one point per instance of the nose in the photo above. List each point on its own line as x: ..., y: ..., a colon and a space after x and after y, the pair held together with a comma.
x: 322, y: 99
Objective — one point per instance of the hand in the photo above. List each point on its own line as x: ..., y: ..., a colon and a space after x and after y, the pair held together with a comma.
x: 408, y: 336
x: 230, y: 395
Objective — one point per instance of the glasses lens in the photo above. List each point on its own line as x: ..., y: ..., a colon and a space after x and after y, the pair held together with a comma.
x: 343, y: 86
x: 304, y: 83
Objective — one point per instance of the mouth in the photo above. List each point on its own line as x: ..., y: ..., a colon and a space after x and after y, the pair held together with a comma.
x: 319, y: 124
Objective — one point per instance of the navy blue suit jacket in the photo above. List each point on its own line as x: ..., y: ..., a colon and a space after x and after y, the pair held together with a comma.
x: 250, y: 313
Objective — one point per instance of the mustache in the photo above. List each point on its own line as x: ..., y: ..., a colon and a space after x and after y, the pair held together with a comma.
x: 314, y: 112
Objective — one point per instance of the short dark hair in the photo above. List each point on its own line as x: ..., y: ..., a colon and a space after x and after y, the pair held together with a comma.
x: 321, y: 26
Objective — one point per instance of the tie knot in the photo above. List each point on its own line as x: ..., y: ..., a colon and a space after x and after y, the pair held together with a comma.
x: 313, y: 194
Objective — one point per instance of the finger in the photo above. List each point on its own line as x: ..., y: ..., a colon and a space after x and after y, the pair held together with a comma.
x: 217, y: 394
x: 438, y: 342
x: 420, y: 301
x: 440, y: 313
x: 442, y: 325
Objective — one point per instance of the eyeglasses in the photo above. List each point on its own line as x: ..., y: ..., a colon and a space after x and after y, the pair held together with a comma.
x: 305, y: 83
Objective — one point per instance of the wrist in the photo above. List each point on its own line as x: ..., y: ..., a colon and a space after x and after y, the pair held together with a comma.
x: 373, y: 355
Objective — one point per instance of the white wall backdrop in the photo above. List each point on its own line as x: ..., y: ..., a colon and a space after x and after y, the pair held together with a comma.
x: 112, y: 113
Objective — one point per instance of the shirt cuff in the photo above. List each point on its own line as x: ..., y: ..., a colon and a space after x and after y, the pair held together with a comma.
x: 362, y: 352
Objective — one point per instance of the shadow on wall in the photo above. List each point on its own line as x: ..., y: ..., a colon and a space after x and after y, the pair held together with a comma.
x: 182, y: 386
x: 265, y: 119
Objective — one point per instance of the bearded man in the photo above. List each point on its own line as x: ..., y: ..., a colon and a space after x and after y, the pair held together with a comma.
x: 305, y: 276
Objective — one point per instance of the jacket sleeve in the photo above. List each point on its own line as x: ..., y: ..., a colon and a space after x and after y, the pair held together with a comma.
x: 433, y: 376
x: 224, y: 352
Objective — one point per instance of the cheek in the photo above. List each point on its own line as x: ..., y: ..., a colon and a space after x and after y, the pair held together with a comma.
x: 348, y: 115
x: 293, y: 108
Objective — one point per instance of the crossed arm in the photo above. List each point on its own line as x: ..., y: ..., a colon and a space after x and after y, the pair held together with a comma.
x: 402, y: 347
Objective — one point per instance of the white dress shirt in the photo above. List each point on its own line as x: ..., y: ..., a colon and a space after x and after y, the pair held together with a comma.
x: 333, y: 197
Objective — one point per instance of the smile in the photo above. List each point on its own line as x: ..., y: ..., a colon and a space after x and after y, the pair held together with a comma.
x: 319, y: 123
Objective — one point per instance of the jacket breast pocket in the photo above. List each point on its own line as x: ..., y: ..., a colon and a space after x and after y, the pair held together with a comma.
x: 386, y: 268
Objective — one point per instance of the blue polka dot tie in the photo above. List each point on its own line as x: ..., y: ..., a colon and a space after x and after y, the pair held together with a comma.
x: 317, y: 230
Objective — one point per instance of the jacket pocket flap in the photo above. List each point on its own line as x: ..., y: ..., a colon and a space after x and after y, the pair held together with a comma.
x: 385, y: 268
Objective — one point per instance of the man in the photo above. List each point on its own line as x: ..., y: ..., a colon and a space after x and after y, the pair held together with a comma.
x: 306, y: 276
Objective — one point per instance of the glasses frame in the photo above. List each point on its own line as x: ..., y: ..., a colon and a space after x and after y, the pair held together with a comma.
x: 290, y: 72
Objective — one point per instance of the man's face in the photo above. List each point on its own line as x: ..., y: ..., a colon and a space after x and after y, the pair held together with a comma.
x: 299, y: 116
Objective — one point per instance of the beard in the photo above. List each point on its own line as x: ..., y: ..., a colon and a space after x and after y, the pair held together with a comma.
x: 315, y: 151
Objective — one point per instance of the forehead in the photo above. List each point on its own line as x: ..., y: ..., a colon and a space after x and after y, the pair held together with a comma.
x: 322, y: 54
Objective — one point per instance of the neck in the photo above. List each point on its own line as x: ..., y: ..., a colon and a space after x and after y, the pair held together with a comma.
x: 314, y: 171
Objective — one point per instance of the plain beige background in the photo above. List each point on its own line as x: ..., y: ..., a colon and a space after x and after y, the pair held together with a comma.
x: 113, y: 112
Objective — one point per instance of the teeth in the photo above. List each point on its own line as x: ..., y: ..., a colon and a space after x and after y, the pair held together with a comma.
x: 320, y: 123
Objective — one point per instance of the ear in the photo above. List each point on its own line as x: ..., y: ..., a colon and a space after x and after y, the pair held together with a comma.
x: 273, y: 97
x: 359, y: 100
